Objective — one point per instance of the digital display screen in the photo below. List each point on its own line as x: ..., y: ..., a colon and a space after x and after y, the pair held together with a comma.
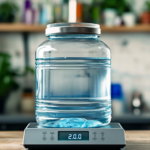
x: 73, y: 135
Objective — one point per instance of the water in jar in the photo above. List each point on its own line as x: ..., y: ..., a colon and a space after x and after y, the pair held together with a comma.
x: 73, y: 92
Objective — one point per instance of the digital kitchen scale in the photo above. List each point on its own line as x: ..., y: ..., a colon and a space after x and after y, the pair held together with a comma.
x: 110, y: 137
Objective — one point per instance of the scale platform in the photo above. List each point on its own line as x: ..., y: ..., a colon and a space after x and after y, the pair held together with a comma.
x: 110, y: 137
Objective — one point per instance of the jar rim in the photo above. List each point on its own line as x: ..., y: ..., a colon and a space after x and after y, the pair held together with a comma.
x: 72, y: 28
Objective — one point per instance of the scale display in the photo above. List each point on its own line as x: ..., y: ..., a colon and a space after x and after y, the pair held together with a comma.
x: 73, y: 135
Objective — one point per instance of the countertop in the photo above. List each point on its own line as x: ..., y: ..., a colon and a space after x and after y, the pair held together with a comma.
x: 136, y: 140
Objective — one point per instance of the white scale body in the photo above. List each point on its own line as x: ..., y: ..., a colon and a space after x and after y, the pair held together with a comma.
x: 108, y: 136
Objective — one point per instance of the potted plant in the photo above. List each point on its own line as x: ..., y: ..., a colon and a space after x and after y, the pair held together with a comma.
x: 7, y: 78
x: 145, y: 17
x: 120, y: 6
x: 7, y: 11
x: 91, y: 11
x: 119, y: 9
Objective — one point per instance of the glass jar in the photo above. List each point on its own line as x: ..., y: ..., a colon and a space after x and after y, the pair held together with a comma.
x: 73, y: 70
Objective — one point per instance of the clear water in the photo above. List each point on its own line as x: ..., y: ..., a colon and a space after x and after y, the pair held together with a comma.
x: 73, y: 93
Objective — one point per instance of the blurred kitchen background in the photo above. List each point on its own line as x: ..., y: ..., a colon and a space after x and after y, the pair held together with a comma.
x: 125, y: 26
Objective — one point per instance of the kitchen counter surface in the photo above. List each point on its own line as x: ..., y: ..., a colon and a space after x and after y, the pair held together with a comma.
x: 136, y: 140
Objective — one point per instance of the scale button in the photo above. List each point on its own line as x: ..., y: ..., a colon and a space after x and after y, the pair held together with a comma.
x: 102, y: 136
x: 44, y: 136
x: 94, y: 138
x: 52, y: 136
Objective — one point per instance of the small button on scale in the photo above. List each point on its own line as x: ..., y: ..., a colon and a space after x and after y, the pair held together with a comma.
x: 94, y: 136
x: 102, y: 133
x: 52, y: 136
x: 44, y: 136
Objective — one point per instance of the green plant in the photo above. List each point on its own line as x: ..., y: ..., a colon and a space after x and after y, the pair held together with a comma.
x: 120, y: 6
x: 95, y: 14
x: 147, y: 3
x: 7, y: 75
x: 7, y: 11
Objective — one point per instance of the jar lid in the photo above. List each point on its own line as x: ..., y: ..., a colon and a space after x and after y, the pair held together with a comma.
x: 72, y: 28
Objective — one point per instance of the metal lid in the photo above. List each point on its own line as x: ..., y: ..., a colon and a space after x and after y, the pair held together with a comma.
x: 72, y: 28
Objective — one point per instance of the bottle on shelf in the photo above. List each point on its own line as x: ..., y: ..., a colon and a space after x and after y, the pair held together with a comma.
x: 79, y: 12
x: 36, y: 13
x: 46, y: 14
x: 117, y: 95
x: 137, y: 103
x: 28, y: 14
x: 58, y: 11
x: 28, y: 101
x: 65, y: 11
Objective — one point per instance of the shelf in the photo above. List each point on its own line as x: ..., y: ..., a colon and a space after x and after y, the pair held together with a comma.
x: 18, y: 27
x: 17, y: 119
x: 123, y: 119
x: 137, y: 28
x: 130, y: 118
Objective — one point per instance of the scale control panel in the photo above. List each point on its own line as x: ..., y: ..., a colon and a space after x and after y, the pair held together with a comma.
x: 72, y: 136
x: 112, y: 134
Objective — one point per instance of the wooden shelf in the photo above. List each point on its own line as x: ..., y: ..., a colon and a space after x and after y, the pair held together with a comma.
x: 18, y: 27
x: 127, y: 118
x: 136, y: 28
